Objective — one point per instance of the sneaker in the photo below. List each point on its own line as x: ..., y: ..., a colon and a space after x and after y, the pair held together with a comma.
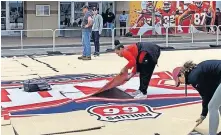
x: 133, y: 94
x: 86, y: 58
x: 140, y: 96
x: 81, y: 57
x: 96, y: 54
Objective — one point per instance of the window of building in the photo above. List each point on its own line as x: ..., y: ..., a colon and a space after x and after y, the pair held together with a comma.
x: 65, y: 13
x: 3, y: 15
x: 16, y: 18
x: 42, y: 10
x: 78, y: 14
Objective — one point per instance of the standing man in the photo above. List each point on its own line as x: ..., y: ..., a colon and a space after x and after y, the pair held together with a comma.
x: 97, y: 30
x: 110, y: 21
x: 123, y: 22
x: 86, y: 27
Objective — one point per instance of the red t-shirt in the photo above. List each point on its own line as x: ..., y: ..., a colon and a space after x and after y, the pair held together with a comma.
x: 130, y: 53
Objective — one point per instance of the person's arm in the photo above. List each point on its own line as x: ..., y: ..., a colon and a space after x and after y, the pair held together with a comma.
x: 205, y: 99
x: 113, y: 17
x: 134, y: 71
x: 205, y: 103
x: 131, y: 60
x: 101, y: 24
x: 90, y: 22
x: 120, y: 18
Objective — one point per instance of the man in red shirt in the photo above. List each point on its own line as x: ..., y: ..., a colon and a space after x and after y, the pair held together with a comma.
x: 142, y: 57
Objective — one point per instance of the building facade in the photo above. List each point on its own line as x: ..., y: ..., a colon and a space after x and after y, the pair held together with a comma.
x: 28, y: 15
x: 18, y: 15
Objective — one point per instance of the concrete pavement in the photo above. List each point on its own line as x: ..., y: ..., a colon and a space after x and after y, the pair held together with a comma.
x: 40, y: 42
x: 78, y: 49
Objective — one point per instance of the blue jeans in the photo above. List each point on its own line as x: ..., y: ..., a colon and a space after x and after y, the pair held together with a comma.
x: 86, y: 37
x: 109, y: 30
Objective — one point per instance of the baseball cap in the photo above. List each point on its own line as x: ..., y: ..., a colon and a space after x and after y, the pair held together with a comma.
x: 175, y: 75
x: 85, y: 6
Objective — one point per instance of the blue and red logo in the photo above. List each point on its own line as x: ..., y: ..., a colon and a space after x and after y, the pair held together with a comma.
x: 76, y: 88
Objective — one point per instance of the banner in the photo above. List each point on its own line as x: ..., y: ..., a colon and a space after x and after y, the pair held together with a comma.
x: 178, y: 16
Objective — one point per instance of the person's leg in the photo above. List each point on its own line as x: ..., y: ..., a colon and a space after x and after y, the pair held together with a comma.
x: 124, y: 25
x: 121, y: 25
x: 87, y: 44
x: 146, y: 72
x: 105, y: 29
x: 146, y: 69
x: 214, y: 106
x: 220, y: 110
x: 93, y: 38
x: 83, y: 44
x: 207, y: 27
x: 112, y: 27
x: 108, y: 29
x: 96, y: 42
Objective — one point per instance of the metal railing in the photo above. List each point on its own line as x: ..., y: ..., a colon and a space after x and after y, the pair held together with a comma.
x: 29, y: 30
x: 176, y: 32
x: 191, y: 30
x: 54, y: 35
x: 56, y: 30
x: 115, y: 30
x: 127, y: 28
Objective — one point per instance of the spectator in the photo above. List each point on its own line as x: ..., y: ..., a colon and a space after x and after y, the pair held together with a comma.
x: 208, y: 20
x: 86, y: 26
x: 97, y: 30
x: 110, y: 21
x: 123, y: 22
x: 218, y: 18
x: 104, y: 15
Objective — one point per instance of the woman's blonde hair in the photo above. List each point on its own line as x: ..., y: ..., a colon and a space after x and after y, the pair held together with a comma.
x: 187, y: 67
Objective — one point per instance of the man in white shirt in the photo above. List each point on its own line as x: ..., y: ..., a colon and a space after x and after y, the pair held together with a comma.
x: 123, y: 22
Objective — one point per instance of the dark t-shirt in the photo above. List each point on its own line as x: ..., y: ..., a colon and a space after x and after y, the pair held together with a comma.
x: 110, y: 17
x: 205, y: 78
x: 85, y: 21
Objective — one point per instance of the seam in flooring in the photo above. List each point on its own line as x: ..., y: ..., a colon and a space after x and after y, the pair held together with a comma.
x: 48, y: 65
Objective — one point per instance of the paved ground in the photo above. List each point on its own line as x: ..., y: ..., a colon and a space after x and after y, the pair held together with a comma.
x: 78, y: 49
x: 12, y: 45
x: 57, y: 113
x: 15, y: 42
